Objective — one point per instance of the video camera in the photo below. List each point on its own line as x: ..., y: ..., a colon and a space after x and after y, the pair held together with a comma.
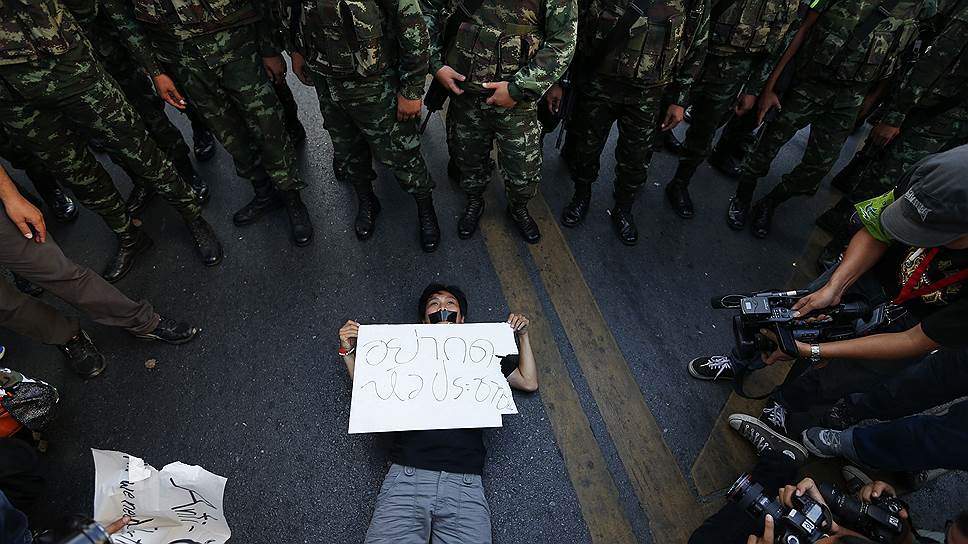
x: 805, y: 522
x: 772, y: 310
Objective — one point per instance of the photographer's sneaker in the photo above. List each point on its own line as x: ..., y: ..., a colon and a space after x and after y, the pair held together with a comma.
x: 774, y: 414
x: 763, y: 438
x: 827, y: 443
x: 713, y: 368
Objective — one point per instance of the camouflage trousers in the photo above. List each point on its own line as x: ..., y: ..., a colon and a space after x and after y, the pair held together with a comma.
x: 239, y: 105
x: 591, y: 123
x: 48, y: 103
x: 361, y: 118
x: 921, y: 135
x: 23, y: 159
x: 712, y: 98
x: 831, y: 110
x: 476, y: 126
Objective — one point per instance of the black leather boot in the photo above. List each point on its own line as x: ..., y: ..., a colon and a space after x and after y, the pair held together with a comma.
x: 724, y: 159
x: 205, y: 241
x: 739, y: 208
x: 624, y: 224
x: 300, y: 223
x: 427, y: 220
x: 473, y: 210
x: 677, y: 193
x: 366, y: 212
x: 576, y: 210
x: 83, y: 356
x: 203, y: 144
x: 836, y: 220
x: 200, y: 187
x: 138, y: 200
x: 131, y: 243
x: 265, y: 200
x: 526, y: 225
x: 761, y: 217
x: 58, y: 201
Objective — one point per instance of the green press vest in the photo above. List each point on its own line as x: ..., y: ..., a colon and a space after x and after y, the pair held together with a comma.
x: 191, y: 13
x: 30, y: 29
x: 752, y: 26
x: 345, y: 39
x: 501, y: 37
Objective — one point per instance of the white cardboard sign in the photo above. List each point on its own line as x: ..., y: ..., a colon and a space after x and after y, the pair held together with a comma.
x: 420, y: 377
x: 179, y: 504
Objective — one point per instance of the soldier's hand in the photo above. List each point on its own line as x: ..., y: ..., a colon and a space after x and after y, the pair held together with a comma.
x: 408, y: 109
x: 275, y: 68
x: 673, y: 117
x: 744, y: 104
x: 501, y: 96
x: 299, y: 68
x: 768, y: 101
x: 883, y: 133
x: 553, y: 97
x: 167, y: 91
x: 448, y: 77
x: 26, y: 216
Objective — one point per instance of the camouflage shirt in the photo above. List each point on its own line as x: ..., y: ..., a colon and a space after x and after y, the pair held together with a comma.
x: 34, y: 30
x: 528, y: 43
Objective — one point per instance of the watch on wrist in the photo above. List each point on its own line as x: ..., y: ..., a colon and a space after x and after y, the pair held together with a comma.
x: 815, y: 353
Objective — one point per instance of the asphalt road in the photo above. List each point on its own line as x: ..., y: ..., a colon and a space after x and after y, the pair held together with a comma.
x: 261, y: 397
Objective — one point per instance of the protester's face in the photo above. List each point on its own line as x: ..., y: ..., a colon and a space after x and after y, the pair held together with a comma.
x: 960, y: 243
x: 442, y: 300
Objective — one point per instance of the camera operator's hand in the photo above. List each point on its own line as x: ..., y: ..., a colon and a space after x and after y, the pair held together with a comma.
x: 825, y: 297
x: 778, y: 355
x: 876, y: 491
x: 767, y: 537
x: 809, y: 488
x: 348, y: 334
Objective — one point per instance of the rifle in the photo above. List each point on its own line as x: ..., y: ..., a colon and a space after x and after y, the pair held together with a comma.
x: 566, y: 106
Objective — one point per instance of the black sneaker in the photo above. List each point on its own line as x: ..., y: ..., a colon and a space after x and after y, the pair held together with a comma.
x: 82, y: 356
x: 774, y: 414
x: 763, y: 438
x: 170, y: 332
x: 838, y: 417
x: 712, y: 368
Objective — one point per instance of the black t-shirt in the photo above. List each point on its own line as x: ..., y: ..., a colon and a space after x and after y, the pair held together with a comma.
x: 944, y: 313
x: 459, y: 451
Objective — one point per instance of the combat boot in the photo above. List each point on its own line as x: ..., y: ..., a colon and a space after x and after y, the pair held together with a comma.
x: 677, y: 193
x: 199, y: 187
x: 525, y: 223
x: 624, y: 224
x: 203, y: 143
x: 265, y: 200
x: 366, y: 212
x: 761, y: 217
x: 739, y: 207
x: 300, y: 223
x: 724, y: 159
x: 473, y: 210
x: 576, y: 210
x: 427, y: 220
x: 205, y: 241
x: 138, y: 200
x: 58, y: 201
x: 131, y: 243
x: 836, y: 220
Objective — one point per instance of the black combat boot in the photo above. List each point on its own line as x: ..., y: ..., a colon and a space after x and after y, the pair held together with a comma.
x: 427, y: 220
x: 836, y: 220
x: 624, y: 224
x: 138, y: 200
x: 576, y: 210
x: 203, y: 144
x: 761, y: 217
x: 25, y: 286
x: 131, y: 243
x: 83, y: 356
x: 725, y: 159
x: 265, y: 200
x: 205, y: 241
x: 300, y: 224
x: 526, y: 225
x: 473, y: 210
x: 677, y: 193
x: 200, y: 187
x: 366, y: 212
x: 57, y: 200
x: 739, y: 206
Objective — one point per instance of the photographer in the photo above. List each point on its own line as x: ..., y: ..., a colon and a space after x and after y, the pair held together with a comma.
x: 433, y: 491
x: 913, y: 251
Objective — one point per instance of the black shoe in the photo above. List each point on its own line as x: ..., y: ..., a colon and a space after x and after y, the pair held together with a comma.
x: 763, y: 438
x: 138, y: 200
x: 677, y: 193
x: 738, y: 213
x: 366, y: 212
x: 297, y: 132
x: 713, y: 368
x: 453, y: 172
x: 204, y: 145
x: 130, y: 245
x: 25, y: 287
x: 265, y: 200
x: 467, y: 224
x: 761, y: 218
x: 525, y: 223
x: 205, y: 241
x: 836, y: 220
x: 427, y: 221
x: 624, y: 225
x: 82, y: 356
x: 200, y: 187
x: 725, y: 162
x: 839, y: 417
x: 170, y: 331
x: 300, y: 223
x: 576, y: 210
x: 62, y: 205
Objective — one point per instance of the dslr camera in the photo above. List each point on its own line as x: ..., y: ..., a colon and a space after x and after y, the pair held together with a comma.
x: 806, y: 520
x: 772, y: 310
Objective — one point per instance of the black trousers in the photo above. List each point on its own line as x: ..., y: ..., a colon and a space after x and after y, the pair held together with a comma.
x: 20, y: 478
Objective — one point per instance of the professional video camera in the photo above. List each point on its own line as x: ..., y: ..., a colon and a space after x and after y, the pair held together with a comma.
x: 772, y: 310
x: 807, y: 520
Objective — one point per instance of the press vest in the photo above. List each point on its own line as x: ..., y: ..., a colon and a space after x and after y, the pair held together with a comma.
x: 752, y: 26
x: 30, y: 29
x: 501, y: 37
x: 344, y: 38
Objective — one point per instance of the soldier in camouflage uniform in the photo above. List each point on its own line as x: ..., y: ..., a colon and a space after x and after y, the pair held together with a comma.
x: 213, y: 49
x: 500, y: 64
x: 741, y: 42
x: 663, y: 56
x: 368, y: 63
x: 50, y: 190
x: 832, y: 79
x: 50, y: 87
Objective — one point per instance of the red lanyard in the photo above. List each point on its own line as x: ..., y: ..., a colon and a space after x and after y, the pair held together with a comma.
x: 908, y: 292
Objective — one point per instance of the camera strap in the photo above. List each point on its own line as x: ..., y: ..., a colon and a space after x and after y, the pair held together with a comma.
x: 908, y: 291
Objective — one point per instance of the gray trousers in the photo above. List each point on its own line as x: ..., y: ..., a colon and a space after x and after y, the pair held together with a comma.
x: 417, y: 506
x: 47, y: 266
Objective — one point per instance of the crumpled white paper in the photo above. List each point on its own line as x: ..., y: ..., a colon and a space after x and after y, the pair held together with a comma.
x: 180, y: 504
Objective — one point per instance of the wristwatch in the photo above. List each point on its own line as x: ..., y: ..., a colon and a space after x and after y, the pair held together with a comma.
x: 815, y: 353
